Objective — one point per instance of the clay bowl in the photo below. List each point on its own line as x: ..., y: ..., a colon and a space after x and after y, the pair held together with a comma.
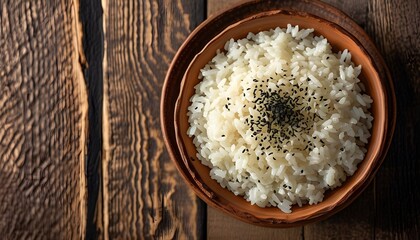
x: 197, y: 175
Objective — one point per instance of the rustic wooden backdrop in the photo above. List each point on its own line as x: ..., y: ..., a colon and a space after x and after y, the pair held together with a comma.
x: 81, y: 151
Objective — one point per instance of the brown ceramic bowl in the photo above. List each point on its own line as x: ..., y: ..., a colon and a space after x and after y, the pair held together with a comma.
x: 197, y: 175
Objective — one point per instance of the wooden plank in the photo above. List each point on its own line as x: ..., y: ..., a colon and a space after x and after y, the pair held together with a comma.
x: 221, y: 226
x: 143, y: 195
x: 394, y: 26
x: 43, y: 121
x: 357, y: 220
x: 356, y: 9
x: 354, y: 222
x: 217, y: 220
x: 214, y: 6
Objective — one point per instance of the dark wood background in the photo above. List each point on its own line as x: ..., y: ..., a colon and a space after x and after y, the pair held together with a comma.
x: 81, y: 151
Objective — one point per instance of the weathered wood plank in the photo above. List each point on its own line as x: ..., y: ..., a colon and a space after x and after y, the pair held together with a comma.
x: 217, y: 220
x: 43, y: 121
x: 356, y: 9
x: 357, y: 220
x: 354, y: 222
x: 221, y: 226
x: 214, y: 6
x: 394, y: 26
x: 143, y: 195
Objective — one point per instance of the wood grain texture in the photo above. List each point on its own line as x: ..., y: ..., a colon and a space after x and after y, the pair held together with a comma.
x: 42, y: 121
x: 354, y: 222
x: 217, y: 220
x: 214, y: 6
x: 356, y: 9
x: 223, y: 227
x: 143, y: 195
x: 394, y: 26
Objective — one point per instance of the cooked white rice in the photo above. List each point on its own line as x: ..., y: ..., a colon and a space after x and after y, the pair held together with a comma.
x: 280, y: 118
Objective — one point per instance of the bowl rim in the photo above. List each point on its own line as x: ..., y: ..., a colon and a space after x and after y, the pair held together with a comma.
x: 314, y: 210
x: 360, y: 184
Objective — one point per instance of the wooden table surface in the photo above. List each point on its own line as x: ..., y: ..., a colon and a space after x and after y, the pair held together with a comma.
x: 81, y: 150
